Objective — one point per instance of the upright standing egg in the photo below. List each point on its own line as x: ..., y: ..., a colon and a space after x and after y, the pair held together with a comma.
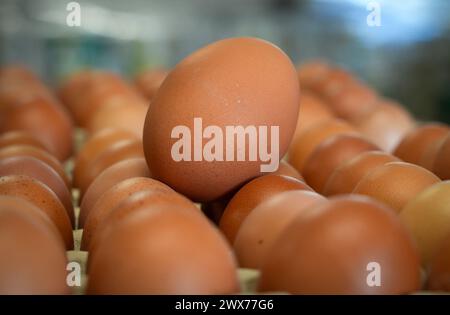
x: 214, y: 114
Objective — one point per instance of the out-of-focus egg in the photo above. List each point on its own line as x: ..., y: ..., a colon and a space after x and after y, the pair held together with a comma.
x: 287, y: 169
x: 146, y: 199
x: 148, y: 82
x: 441, y: 165
x: 111, y: 198
x: 428, y: 218
x: 117, y: 152
x: 127, y: 115
x: 266, y: 222
x: 429, y: 156
x: 165, y: 249
x: 134, y: 167
x: 32, y: 255
x: 19, y: 137
x: 396, y: 183
x: 418, y: 141
x: 335, y: 80
x: 439, y: 275
x: 312, y: 111
x: 47, y: 121
x: 251, y: 195
x: 310, y: 139
x: 349, y: 245
x: 386, y: 125
x: 44, y: 156
x: 353, y: 101
x: 330, y: 154
x: 30, y: 166
x: 244, y: 82
x: 345, y: 178
x: 312, y: 72
x: 93, y: 147
x: 41, y: 196
x: 87, y: 91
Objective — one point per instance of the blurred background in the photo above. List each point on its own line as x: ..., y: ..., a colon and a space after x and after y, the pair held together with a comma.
x: 407, y: 57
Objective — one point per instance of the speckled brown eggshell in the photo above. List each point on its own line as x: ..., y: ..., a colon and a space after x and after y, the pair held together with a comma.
x: 396, y: 183
x: 47, y: 120
x: 134, y: 167
x: 33, y: 258
x: 163, y: 250
x: 93, y: 147
x: 418, y: 141
x: 330, y: 154
x: 111, y: 198
x: 328, y: 251
x: 30, y: 166
x: 345, y: 178
x: 20, y: 137
x: 251, y: 195
x: 44, y: 156
x: 309, y: 139
x: 266, y: 222
x: 42, y: 197
x: 232, y: 82
x: 117, y: 152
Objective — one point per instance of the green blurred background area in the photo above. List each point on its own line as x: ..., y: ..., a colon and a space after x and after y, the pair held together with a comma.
x: 407, y: 57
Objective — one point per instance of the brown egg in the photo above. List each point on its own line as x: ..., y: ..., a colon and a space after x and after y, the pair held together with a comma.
x: 111, y: 198
x: 345, y: 178
x: 46, y: 120
x: 166, y: 249
x: 312, y: 73
x: 44, y: 156
x: 287, y: 169
x: 353, y: 101
x: 429, y: 156
x: 149, y: 81
x: 251, y: 195
x: 441, y: 165
x: 266, y: 222
x: 330, y: 154
x: 30, y: 166
x: 427, y: 217
x: 334, y: 81
x: 129, y: 168
x: 349, y: 245
x: 146, y: 199
x: 95, y: 146
x: 244, y: 82
x: 310, y: 139
x: 439, y: 275
x: 88, y: 91
x: 33, y: 258
x: 395, y: 183
x: 312, y: 111
x: 418, y: 141
x: 386, y: 125
x: 117, y: 152
x: 128, y: 115
x: 19, y: 137
x: 41, y: 196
